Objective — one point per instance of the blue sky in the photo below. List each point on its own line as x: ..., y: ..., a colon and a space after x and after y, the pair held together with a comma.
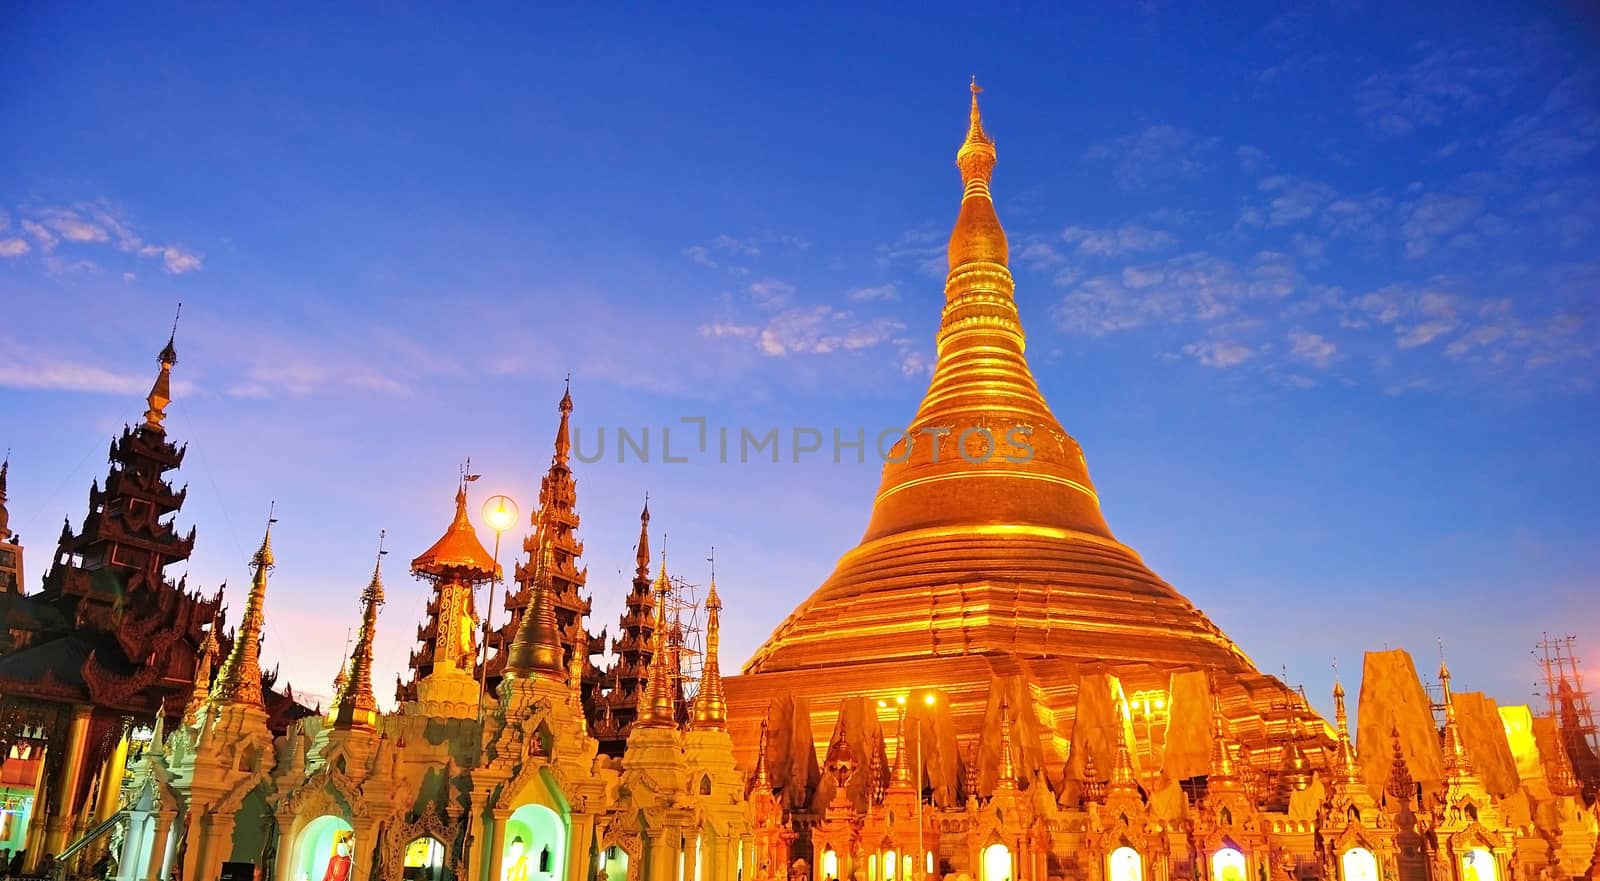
x: 1314, y: 289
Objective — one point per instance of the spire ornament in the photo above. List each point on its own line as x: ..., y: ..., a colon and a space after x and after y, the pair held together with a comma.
x: 239, y: 680
x: 710, y: 703
x: 161, y: 392
x: 1456, y: 761
x: 536, y: 650
x: 1345, y: 768
x: 656, y: 705
x: 354, y: 705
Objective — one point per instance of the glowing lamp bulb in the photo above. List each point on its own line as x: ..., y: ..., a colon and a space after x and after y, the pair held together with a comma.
x: 928, y: 699
x: 901, y: 700
x: 500, y: 513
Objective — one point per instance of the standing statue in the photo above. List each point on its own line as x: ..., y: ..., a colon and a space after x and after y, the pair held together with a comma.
x: 339, y: 862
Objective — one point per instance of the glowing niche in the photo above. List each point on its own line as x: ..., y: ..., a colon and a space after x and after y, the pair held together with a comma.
x: 830, y: 864
x: 1359, y: 865
x: 1228, y: 865
x: 536, y: 844
x: 323, y: 850
x: 1477, y: 864
x: 424, y: 860
x: 996, y: 863
x: 1125, y: 864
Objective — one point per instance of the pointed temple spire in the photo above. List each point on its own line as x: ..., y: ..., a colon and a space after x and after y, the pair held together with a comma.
x: 536, y: 651
x: 656, y: 709
x: 1222, y: 769
x: 239, y: 680
x: 641, y: 554
x: 986, y: 479
x: 1456, y: 761
x: 1345, y: 769
x: 563, y: 432
x: 1401, y: 784
x: 205, y: 658
x: 763, y: 778
x: 354, y: 705
x: 459, y: 547
x: 161, y: 392
x: 1008, y: 769
x: 710, y: 704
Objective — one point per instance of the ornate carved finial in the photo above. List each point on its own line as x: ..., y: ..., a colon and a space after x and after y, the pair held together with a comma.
x: 976, y: 157
x: 710, y: 703
x: 536, y: 648
x: 161, y: 392
x: 354, y: 705
x: 656, y: 708
x: 563, y: 431
x: 239, y: 680
x: 1345, y: 769
x: 642, y: 552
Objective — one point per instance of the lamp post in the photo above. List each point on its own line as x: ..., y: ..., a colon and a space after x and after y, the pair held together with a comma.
x: 500, y: 512
x: 922, y: 847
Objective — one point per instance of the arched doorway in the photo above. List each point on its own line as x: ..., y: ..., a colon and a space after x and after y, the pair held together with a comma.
x: 424, y: 860
x: 323, y: 850
x: 830, y: 864
x: 535, y: 846
x: 1478, y: 864
x: 997, y: 863
x: 613, y: 861
x: 1125, y: 864
x: 1227, y: 864
x: 1359, y: 864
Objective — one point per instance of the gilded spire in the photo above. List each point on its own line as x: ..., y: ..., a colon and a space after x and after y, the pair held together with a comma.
x: 458, y: 553
x: 710, y: 704
x: 1456, y: 761
x: 563, y: 432
x: 642, y: 553
x: 1345, y: 770
x: 205, y: 657
x: 1008, y: 768
x: 1094, y: 789
x: 976, y: 157
x: 656, y: 705
x: 1221, y: 759
x: 239, y: 680
x: 355, y: 706
x: 1122, y: 777
x: 536, y: 649
x: 161, y: 392
x: 763, y: 782
x: 575, y: 666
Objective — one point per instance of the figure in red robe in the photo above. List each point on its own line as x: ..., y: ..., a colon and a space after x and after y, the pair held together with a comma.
x: 339, y: 863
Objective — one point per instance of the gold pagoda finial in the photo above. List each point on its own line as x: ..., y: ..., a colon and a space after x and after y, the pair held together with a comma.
x: 563, y: 432
x: 1122, y: 776
x: 1094, y: 789
x: 710, y: 704
x: 536, y: 649
x: 642, y: 552
x: 575, y: 668
x: 763, y: 780
x: 976, y: 157
x: 205, y: 657
x: 656, y: 705
x: 1346, y: 770
x: 1008, y: 768
x: 1221, y: 758
x: 239, y: 680
x: 161, y: 392
x: 354, y: 705
x: 1456, y: 760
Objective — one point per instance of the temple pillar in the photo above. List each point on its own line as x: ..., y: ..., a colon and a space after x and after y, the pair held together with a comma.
x: 155, y: 865
x: 494, y: 856
x: 111, y: 782
x: 283, y: 868
x: 580, y: 847
x: 59, y: 823
x: 216, y: 846
x: 34, y: 839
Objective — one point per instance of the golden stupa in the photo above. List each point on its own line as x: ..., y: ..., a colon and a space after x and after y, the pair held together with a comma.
x: 986, y: 556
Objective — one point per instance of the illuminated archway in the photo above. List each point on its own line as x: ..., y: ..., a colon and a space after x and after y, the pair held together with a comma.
x: 1125, y: 864
x: 614, y: 862
x: 891, y: 866
x: 1359, y: 864
x: 424, y: 860
x: 996, y: 863
x: 830, y: 864
x: 535, y: 846
x: 323, y: 850
x: 1228, y: 865
x: 1478, y: 864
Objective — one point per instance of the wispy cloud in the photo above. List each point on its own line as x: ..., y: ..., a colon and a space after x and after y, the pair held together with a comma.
x: 1155, y: 155
x: 26, y: 367
x: 819, y: 330
x: 1116, y: 241
x: 882, y: 292
x: 1440, y: 81
x: 92, y: 224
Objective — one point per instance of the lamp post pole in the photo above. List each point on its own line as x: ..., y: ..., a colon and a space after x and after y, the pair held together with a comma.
x: 500, y: 513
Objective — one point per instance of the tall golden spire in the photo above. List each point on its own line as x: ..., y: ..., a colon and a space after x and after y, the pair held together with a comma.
x: 1008, y: 768
x: 1400, y: 784
x: 239, y: 680
x: 536, y: 649
x: 656, y: 704
x: 642, y: 552
x: 563, y: 432
x: 1456, y: 761
x: 1345, y: 768
x: 710, y: 704
x: 1222, y: 769
x: 205, y: 657
x: 763, y: 780
x: 161, y: 392
x: 355, y: 706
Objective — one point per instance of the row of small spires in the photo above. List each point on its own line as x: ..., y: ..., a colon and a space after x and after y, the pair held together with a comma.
x: 841, y: 763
